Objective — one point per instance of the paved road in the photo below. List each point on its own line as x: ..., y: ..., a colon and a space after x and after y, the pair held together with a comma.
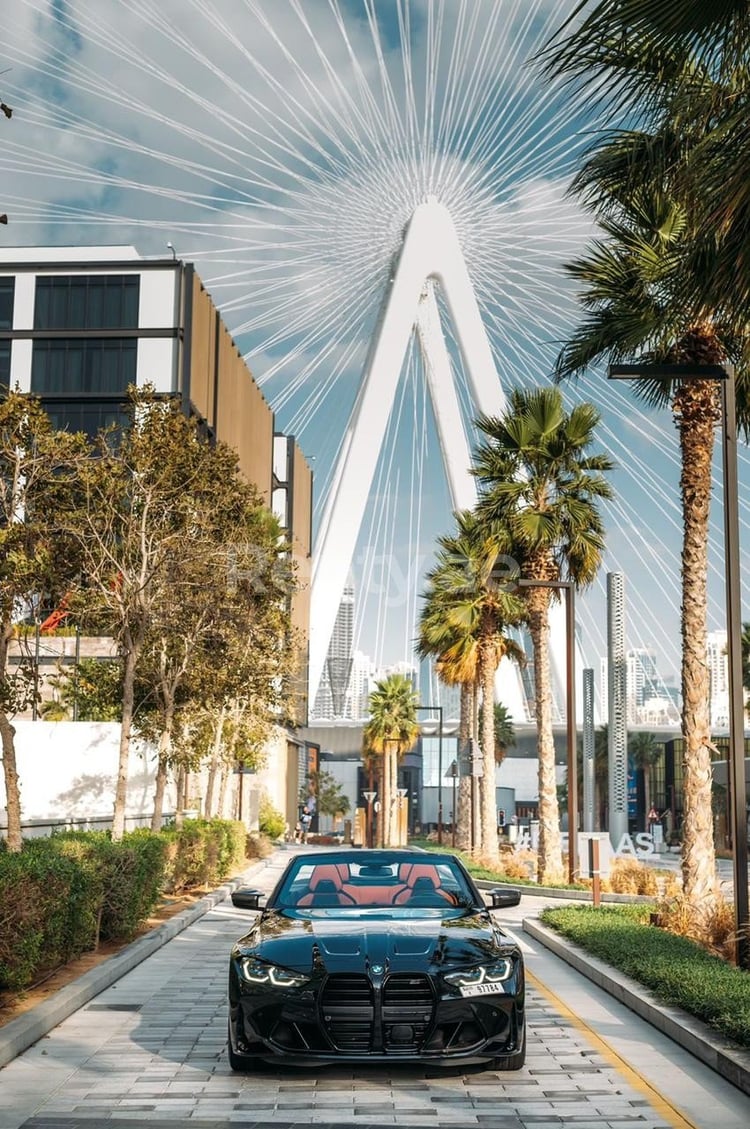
x: 152, y: 1049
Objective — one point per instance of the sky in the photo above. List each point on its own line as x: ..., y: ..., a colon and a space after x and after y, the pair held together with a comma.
x: 282, y: 146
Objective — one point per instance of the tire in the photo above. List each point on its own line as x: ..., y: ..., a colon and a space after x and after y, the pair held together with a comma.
x: 515, y: 1061
x: 238, y: 1062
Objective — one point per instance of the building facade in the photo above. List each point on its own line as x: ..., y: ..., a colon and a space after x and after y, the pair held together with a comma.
x: 79, y: 325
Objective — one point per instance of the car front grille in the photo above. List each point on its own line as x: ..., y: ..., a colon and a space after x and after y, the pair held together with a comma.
x: 359, y: 1018
x: 408, y: 1009
x: 348, y: 1012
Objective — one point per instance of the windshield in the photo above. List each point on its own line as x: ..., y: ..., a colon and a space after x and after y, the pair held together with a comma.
x: 364, y: 884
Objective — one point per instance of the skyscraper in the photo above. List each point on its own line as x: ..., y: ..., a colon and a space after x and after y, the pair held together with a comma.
x: 331, y: 698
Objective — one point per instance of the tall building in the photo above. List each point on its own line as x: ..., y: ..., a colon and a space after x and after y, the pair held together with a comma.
x: 642, y: 681
x: 331, y: 700
x: 78, y: 325
x: 717, y: 661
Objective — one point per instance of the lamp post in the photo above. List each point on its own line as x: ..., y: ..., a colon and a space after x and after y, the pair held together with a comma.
x: 568, y: 587
x: 724, y: 373
x: 439, y: 711
x: 453, y: 774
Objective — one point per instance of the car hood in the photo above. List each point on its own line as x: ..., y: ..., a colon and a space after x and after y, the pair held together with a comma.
x: 355, y: 945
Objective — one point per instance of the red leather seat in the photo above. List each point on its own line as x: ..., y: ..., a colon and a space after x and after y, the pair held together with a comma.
x: 326, y: 888
x: 429, y: 881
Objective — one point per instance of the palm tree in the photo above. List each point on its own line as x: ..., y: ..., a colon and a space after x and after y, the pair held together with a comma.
x: 682, y: 63
x: 456, y: 664
x: 540, y: 487
x: 634, y: 291
x: 645, y: 752
x: 391, y: 731
x: 477, y: 611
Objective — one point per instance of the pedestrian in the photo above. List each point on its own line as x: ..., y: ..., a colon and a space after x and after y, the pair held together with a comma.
x: 653, y: 817
x: 305, y: 820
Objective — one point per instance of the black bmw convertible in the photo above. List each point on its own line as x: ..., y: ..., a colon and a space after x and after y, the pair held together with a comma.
x: 371, y: 956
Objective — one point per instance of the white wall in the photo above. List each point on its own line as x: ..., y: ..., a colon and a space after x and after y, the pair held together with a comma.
x: 68, y: 770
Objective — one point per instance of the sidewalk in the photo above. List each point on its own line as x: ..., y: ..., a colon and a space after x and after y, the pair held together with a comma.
x: 23, y: 1032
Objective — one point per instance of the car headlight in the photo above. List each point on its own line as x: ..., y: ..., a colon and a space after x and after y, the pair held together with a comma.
x: 269, y: 975
x: 495, y: 973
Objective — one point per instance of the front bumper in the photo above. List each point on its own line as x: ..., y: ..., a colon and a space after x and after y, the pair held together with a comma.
x: 351, y: 1019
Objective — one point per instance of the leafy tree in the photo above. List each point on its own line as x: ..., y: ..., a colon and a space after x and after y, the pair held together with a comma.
x: 140, y: 531
x: 540, y: 489
x: 93, y: 687
x: 225, y: 599
x: 37, y: 482
x: 391, y: 731
x: 329, y: 797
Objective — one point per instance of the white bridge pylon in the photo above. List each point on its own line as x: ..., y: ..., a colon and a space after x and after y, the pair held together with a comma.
x: 430, y: 254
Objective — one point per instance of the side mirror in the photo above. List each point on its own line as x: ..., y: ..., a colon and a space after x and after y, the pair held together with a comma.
x: 504, y: 898
x: 247, y: 899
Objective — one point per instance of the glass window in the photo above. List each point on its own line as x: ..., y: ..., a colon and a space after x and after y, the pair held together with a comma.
x: 79, y: 366
x: 7, y: 290
x: 90, y: 416
x: 87, y: 301
x: 4, y: 365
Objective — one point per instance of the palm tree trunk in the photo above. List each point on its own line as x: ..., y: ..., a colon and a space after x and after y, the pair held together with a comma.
x: 488, y: 790
x: 463, y: 815
x: 385, y: 800
x: 549, y: 857
x: 696, y: 412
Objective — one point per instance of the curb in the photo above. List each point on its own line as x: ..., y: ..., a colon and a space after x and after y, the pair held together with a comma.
x: 560, y: 892
x: 726, y: 1058
x: 21, y: 1033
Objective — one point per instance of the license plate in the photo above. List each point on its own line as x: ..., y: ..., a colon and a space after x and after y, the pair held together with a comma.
x: 481, y: 989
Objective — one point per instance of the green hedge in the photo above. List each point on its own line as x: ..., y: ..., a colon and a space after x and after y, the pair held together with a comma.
x: 61, y: 896
x: 679, y: 972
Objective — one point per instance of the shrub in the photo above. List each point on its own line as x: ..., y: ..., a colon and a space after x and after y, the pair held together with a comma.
x: 270, y: 821
x: 628, y: 876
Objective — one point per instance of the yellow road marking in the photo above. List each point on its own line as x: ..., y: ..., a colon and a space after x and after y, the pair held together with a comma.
x: 661, y: 1105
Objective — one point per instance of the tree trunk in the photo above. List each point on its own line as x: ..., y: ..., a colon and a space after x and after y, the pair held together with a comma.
x: 214, y: 763
x: 162, y: 767
x: 12, y: 789
x: 383, y: 795
x: 463, y: 815
x: 121, y: 787
x: 549, y: 856
x: 395, y: 802
x: 696, y: 412
x: 7, y: 743
x: 488, y: 790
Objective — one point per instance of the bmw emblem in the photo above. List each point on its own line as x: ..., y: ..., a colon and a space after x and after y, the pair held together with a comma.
x: 377, y: 969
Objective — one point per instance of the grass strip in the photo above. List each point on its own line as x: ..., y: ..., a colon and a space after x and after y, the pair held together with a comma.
x: 678, y: 971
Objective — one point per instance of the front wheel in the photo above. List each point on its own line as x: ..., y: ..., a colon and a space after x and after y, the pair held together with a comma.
x: 514, y: 1061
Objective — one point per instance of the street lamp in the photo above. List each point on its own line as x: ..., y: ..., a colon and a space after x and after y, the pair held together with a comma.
x: 568, y: 587
x: 453, y: 774
x: 439, y: 711
x: 724, y: 373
